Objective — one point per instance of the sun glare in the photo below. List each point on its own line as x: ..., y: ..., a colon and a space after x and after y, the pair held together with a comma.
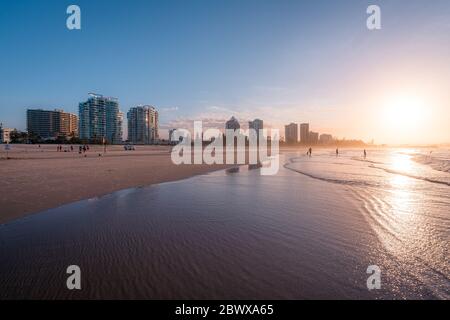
x: 404, y: 112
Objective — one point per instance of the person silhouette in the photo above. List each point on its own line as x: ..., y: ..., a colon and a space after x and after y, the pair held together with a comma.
x: 365, y: 153
x: 310, y: 151
x: 337, y: 152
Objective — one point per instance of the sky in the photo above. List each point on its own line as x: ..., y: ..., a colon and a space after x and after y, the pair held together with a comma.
x: 280, y: 61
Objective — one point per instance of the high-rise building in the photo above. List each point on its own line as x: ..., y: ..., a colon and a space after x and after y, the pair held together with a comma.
x: 171, y: 135
x: 68, y: 124
x: 51, y: 124
x: 154, y: 122
x: 325, y: 138
x: 256, y: 124
x: 142, y: 125
x: 313, y: 137
x: 304, y: 133
x: 100, y: 119
x: 232, y: 124
x: 291, y: 133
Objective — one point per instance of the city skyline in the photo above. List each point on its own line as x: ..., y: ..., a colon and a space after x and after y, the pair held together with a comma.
x: 143, y: 125
x: 217, y: 158
x: 351, y: 82
x: 100, y: 118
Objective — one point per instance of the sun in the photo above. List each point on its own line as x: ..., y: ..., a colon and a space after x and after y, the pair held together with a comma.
x: 404, y: 112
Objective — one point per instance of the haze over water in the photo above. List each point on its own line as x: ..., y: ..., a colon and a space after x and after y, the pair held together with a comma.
x: 311, y: 231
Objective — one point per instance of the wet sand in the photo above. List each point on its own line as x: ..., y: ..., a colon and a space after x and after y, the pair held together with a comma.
x: 35, y: 179
x: 309, y: 232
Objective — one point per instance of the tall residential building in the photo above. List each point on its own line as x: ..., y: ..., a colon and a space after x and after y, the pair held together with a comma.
x: 69, y: 124
x: 313, y: 137
x: 119, y: 128
x: 232, y: 124
x: 325, y: 138
x: 100, y: 118
x: 291, y: 133
x: 142, y: 125
x: 256, y: 124
x: 304, y: 133
x: 51, y: 124
x: 171, y: 135
x: 154, y: 121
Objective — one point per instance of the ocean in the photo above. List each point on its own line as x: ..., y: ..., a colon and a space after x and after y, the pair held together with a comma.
x: 309, y: 232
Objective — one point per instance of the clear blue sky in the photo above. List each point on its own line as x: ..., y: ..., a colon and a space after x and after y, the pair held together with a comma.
x: 205, y: 58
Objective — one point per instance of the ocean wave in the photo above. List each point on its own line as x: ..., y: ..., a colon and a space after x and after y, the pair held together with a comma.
x: 332, y: 180
x: 411, y: 175
x: 433, y: 162
x: 394, y: 235
x: 365, y: 160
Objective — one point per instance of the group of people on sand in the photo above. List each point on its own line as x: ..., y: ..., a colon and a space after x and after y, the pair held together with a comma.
x: 309, y: 152
x: 81, y: 149
x: 59, y: 148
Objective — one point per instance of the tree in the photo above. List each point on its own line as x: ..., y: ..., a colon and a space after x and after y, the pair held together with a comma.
x: 17, y: 136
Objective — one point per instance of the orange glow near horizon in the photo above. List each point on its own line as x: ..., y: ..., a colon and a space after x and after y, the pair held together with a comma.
x: 407, y: 118
x: 404, y: 113
x: 404, y: 116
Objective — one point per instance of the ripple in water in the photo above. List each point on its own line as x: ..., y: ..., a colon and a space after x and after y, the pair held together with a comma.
x: 239, y: 235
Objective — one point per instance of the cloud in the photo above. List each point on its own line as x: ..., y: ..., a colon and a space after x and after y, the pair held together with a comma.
x: 168, y: 109
x: 274, y: 116
x: 216, y: 116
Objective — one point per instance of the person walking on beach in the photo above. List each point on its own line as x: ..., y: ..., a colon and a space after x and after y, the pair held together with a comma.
x: 337, y: 152
x: 310, y: 151
x: 365, y: 153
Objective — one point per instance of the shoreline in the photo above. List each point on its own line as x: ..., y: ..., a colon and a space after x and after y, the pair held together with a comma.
x: 187, y: 221
x: 44, y: 179
x: 36, y: 179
